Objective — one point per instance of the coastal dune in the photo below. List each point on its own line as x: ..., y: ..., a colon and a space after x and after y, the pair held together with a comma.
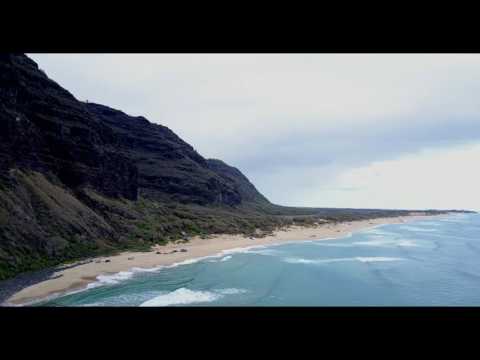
x: 79, y: 277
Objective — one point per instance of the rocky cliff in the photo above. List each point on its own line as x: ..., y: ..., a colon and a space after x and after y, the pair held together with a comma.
x: 75, y: 177
x: 79, y: 179
x: 169, y: 169
x: 44, y: 128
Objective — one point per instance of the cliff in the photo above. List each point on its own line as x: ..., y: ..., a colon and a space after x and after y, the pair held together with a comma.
x: 80, y: 179
x: 76, y: 178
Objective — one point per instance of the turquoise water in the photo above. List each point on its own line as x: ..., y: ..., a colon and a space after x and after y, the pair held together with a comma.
x: 421, y: 263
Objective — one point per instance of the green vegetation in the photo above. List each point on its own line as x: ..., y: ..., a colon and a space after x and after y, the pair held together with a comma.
x: 70, y: 226
x: 81, y: 179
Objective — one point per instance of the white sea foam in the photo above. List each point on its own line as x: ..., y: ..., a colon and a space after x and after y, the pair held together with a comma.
x: 111, y: 279
x: 126, y: 275
x: 374, y: 243
x: 388, y: 243
x: 254, y: 249
x: 225, y: 255
x: 184, y: 296
x: 314, y: 261
x: 241, y: 250
x: 378, y: 259
x: 140, y: 269
x: 407, y: 243
x: 418, y: 229
x: 429, y: 223
x: 376, y: 231
x: 266, y: 252
x: 231, y: 291
x: 333, y: 244
x: 327, y: 261
x: 186, y: 262
x: 346, y: 236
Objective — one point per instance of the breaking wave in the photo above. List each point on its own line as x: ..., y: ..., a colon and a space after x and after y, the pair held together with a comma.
x: 418, y: 229
x: 374, y: 243
x: 184, y: 296
x: 266, y: 252
x: 327, y: 261
x: 388, y: 243
x: 111, y: 279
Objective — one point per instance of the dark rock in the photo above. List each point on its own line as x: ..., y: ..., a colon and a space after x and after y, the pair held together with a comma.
x: 107, y: 260
x: 56, y: 151
x: 44, y: 128
x: 233, y: 176
x: 169, y: 168
x: 72, y: 175
x: 183, y: 250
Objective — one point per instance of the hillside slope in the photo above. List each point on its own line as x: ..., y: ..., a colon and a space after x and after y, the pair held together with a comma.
x: 79, y: 179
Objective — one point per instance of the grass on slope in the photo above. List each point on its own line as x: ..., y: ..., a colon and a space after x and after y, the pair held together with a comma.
x: 44, y: 224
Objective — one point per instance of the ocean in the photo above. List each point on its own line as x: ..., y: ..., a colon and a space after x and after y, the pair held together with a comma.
x: 432, y: 262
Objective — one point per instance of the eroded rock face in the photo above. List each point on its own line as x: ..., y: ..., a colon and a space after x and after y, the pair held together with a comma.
x: 44, y: 128
x: 169, y: 168
x: 240, y: 182
x: 71, y: 174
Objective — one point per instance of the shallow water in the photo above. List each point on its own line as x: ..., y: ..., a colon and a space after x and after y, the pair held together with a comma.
x: 422, y: 263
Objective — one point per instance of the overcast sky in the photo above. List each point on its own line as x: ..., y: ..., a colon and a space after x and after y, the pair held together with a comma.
x: 337, y: 130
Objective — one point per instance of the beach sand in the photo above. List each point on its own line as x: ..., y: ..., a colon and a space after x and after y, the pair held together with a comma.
x: 78, y: 277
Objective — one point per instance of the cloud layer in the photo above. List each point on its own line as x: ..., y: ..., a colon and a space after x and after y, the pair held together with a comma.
x: 296, y: 124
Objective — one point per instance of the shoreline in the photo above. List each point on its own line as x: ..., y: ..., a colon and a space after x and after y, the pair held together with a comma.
x: 78, y: 277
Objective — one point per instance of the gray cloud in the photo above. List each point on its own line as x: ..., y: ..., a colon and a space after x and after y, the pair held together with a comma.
x: 291, y: 123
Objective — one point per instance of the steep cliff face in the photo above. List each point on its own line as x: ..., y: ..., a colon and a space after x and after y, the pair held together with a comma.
x: 44, y: 128
x: 238, y: 181
x: 79, y: 177
x: 170, y: 169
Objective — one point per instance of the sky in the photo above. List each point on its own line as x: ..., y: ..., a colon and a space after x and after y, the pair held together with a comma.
x: 396, y: 131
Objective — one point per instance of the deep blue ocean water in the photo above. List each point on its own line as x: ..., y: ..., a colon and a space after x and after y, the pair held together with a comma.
x: 421, y: 263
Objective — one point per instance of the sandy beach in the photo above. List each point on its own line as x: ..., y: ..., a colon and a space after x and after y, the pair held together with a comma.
x: 78, y: 277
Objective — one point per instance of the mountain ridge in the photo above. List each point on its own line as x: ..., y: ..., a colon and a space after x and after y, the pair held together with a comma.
x: 82, y: 179
x: 79, y: 177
